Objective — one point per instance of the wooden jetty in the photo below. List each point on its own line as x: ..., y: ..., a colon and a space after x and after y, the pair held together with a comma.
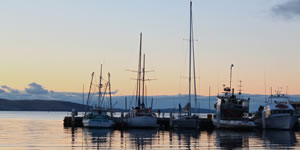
x: 121, y: 123
x: 69, y: 123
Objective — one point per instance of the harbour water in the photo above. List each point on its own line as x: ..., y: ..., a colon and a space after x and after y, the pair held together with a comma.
x: 45, y: 130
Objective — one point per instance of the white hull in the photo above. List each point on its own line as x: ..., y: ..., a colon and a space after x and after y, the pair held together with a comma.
x: 142, y: 122
x: 279, y: 121
x: 98, y: 123
x: 233, y: 123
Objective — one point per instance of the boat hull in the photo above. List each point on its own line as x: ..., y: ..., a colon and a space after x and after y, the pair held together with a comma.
x: 142, y: 122
x: 279, y: 121
x: 98, y: 123
x: 186, y: 123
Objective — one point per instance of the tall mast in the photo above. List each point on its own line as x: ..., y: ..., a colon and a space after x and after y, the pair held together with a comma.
x: 100, y: 86
x: 143, y: 88
x: 138, y: 90
x: 194, y: 66
x: 190, y: 59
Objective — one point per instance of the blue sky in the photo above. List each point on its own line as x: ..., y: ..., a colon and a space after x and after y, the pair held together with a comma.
x: 57, y: 44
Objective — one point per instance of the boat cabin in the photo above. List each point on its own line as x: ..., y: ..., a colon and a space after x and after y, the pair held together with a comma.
x: 232, y: 107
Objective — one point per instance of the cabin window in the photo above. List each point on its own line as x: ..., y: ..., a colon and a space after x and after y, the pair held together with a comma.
x: 281, y: 111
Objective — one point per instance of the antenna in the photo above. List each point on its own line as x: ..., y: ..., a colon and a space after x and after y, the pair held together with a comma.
x: 265, y: 87
x: 209, y: 98
x: 240, y: 86
x: 271, y: 92
x: 230, y: 75
x: 83, y: 94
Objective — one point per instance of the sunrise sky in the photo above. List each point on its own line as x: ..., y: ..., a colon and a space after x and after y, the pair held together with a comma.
x: 58, y: 44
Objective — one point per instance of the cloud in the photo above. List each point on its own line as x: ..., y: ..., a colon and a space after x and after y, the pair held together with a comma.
x: 35, y: 88
x: 289, y: 9
x: 37, y: 91
x: 9, y: 90
x: 2, y: 91
x: 114, y: 92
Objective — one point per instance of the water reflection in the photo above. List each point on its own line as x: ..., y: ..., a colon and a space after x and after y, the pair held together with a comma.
x: 279, y: 138
x: 97, y: 138
x: 187, y: 138
x: 180, y: 139
x: 231, y: 139
x: 141, y: 138
x: 33, y: 133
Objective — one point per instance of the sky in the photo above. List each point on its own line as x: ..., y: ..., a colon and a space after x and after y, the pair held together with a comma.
x: 54, y: 46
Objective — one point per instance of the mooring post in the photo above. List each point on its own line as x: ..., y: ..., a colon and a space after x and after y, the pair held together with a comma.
x: 73, y: 117
x: 122, y: 121
x: 171, y: 120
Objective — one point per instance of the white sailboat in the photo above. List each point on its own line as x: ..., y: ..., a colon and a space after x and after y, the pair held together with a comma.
x: 98, y: 117
x: 140, y: 116
x: 278, y: 113
x: 187, y: 120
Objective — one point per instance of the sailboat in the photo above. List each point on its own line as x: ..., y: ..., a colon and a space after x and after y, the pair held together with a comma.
x: 189, y: 121
x: 141, y: 116
x: 98, y: 117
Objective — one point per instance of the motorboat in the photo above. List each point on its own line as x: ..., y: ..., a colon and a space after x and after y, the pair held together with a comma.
x: 278, y: 113
x: 232, y: 111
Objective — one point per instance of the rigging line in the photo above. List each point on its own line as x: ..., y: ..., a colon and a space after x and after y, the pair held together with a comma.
x: 132, y: 97
x: 102, y: 101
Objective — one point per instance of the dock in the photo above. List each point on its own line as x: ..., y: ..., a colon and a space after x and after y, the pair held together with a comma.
x: 165, y: 123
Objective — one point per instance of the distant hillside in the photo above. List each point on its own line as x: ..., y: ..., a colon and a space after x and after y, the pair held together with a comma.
x: 39, y: 105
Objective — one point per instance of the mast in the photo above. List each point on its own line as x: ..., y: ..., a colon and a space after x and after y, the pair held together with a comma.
x: 100, y: 86
x: 88, y: 98
x: 110, y: 102
x: 194, y: 66
x: 143, y: 88
x: 190, y: 59
x: 146, y: 97
x: 138, y: 89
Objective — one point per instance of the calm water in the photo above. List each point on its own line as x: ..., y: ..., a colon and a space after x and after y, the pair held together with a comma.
x: 44, y: 130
